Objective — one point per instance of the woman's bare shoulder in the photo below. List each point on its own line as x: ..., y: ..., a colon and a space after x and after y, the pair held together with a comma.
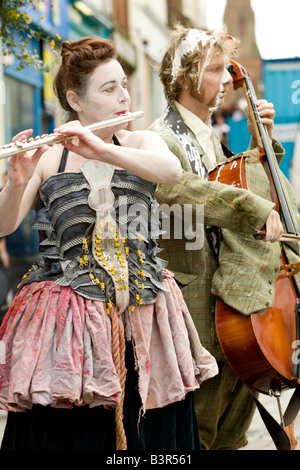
x: 135, y: 139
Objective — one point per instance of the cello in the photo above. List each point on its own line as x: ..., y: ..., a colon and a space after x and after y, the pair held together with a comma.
x: 262, y: 348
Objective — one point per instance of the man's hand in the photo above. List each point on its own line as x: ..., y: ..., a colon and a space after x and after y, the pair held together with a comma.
x: 274, y: 228
x: 267, y: 114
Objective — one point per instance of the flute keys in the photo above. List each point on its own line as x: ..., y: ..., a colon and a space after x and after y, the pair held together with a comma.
x: 50, y: 139
x: 19, y: 144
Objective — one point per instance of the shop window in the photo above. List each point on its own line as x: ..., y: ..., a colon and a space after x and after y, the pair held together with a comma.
x: 19, y: 108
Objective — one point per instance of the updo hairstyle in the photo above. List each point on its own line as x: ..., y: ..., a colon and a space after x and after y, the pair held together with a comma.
x: 79, y: 60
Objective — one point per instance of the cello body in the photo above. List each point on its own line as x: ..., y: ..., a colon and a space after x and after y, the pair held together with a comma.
x: 259, y: 347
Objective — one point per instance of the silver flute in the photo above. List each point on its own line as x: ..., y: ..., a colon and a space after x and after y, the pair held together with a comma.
x: 50, y: 139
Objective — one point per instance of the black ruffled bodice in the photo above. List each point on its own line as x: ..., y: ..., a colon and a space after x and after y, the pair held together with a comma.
x: 65, y: 219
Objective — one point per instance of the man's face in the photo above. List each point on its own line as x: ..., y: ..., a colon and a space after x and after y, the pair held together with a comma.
x: 215, y: 82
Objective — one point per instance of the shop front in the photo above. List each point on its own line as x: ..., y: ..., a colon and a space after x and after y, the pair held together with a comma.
x: 28, y: 103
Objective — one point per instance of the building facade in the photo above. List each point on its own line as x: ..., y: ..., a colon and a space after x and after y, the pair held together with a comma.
x: 140, y: 29
x: 29, y: 102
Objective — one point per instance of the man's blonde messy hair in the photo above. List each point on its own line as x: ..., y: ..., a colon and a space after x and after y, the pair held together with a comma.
x: 188, y: 73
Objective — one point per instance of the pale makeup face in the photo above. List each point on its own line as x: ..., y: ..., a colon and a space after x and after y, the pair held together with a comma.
x: 106, y: 96
x: 214, y: 84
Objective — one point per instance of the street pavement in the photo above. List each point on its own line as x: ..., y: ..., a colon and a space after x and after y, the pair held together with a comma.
x: 258, y: 436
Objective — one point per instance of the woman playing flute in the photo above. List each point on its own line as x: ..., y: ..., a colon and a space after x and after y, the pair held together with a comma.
x: 98, y: 350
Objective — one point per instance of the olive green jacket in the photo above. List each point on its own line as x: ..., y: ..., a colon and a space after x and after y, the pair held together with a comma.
x: 245, y: 272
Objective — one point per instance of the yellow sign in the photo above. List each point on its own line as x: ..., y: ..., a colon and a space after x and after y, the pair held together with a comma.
x: 49, y: 57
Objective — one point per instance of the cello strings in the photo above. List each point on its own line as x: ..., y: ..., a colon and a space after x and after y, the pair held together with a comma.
x: 286, y: 207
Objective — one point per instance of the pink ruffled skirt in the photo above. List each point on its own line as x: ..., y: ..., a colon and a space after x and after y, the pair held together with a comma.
x: 56, y: 349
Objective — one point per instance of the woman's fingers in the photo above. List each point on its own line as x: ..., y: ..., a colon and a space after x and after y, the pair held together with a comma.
x: 21, y: 136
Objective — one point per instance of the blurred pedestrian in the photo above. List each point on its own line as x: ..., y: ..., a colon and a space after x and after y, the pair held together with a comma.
x: 220, y: 126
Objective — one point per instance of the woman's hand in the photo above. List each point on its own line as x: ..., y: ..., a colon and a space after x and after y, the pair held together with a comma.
x: 85, y: 143
x: 267, y: 114
x: 23, y: 180
x: 21, y: 166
